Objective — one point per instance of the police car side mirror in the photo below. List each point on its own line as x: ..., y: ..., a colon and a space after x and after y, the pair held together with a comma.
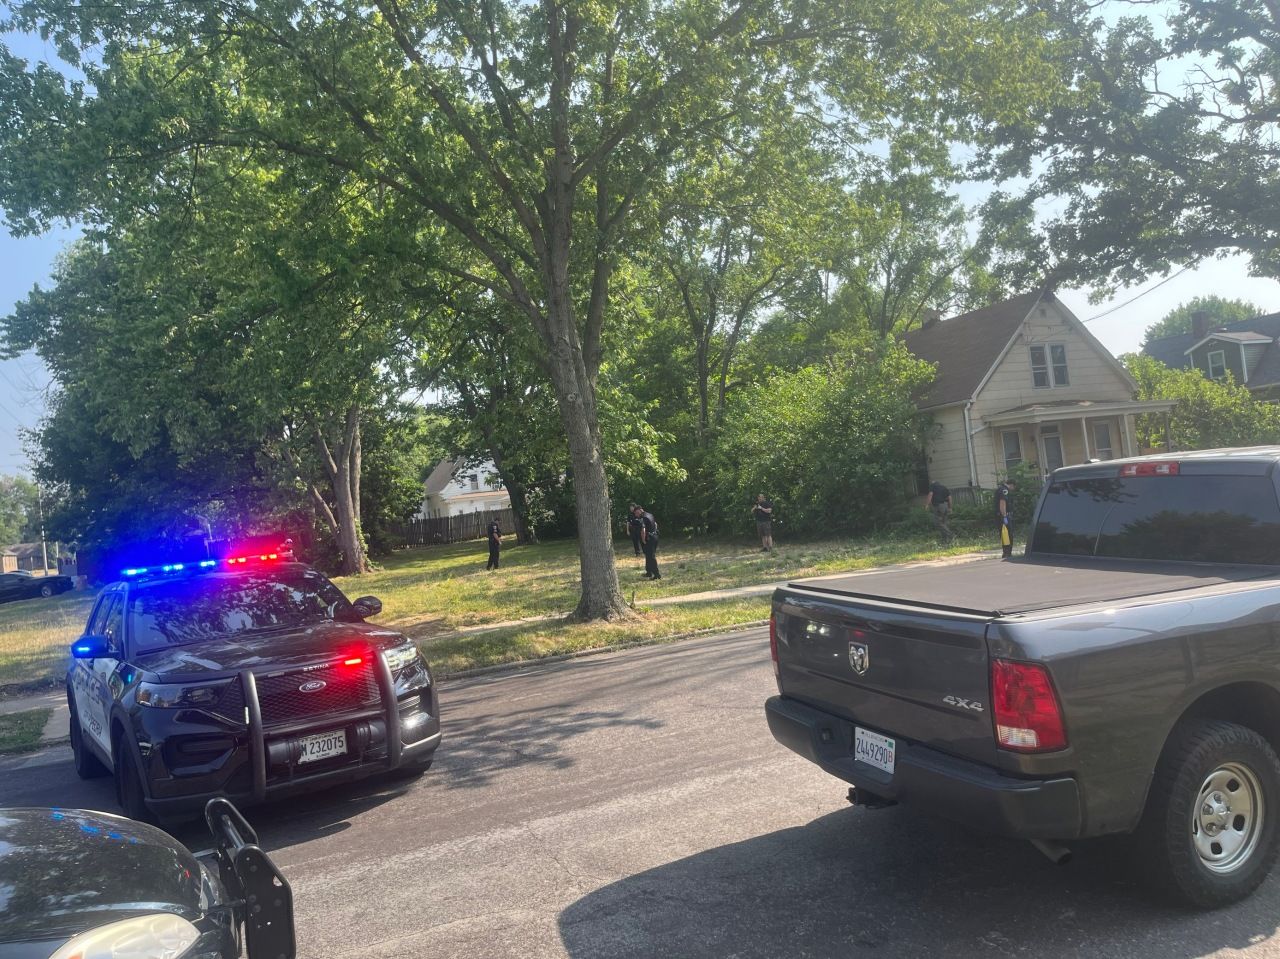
x: 367, y: 606
x: 91, y: 647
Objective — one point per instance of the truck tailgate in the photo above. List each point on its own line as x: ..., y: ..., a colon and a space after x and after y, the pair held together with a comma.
x: 921, y: 675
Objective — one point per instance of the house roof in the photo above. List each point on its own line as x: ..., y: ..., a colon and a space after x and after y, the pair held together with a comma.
x: 966, y: 347
x: 23, y: 550
x: 1230, y: 338
x: 443, y: 474
x: 1173, y: 351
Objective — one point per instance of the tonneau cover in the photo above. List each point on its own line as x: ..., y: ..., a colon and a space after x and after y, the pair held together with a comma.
x: 1006, y: 587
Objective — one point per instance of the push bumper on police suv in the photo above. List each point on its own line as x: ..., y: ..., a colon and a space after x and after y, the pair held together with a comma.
x: 933, y: 781
x: 388, y: 719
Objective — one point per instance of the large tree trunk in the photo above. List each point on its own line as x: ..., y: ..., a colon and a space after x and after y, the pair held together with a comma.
x: 601, y: 596
x: 339, y: 461
x: 516, y: 491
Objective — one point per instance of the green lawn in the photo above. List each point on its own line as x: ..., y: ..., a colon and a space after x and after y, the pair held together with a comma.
x: 20, y: 732
x: 36, y: 637
x: 432, y: 592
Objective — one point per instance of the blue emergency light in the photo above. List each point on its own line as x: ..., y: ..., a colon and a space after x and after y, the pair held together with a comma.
x: 131, y: 572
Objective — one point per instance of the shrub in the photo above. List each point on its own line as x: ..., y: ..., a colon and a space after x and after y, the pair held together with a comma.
x: 831, y: 445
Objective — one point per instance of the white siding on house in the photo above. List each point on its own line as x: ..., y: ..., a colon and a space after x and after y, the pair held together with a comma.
x: 1092, y: 377
x: 458, y: 496
x: 948, y: 460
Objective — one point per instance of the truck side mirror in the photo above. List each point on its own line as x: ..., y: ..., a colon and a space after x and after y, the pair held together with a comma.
x: 367, y: 606
x: 91, y: 646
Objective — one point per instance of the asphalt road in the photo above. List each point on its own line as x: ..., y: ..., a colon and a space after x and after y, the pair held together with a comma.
x: 635, y: 805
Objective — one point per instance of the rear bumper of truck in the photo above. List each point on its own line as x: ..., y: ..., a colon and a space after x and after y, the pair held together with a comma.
x: 932, y: 781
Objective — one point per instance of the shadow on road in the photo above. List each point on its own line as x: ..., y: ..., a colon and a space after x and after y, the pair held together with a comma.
x: 892, y: 883
x: 477, y: 750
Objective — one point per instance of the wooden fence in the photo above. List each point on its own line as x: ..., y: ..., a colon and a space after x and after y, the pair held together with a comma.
x: 453, y: 529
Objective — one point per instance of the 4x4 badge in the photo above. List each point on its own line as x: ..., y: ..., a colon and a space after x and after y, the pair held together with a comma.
x: 859, y: 658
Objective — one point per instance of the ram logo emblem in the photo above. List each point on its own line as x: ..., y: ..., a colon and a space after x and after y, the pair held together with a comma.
x: 859, y: 658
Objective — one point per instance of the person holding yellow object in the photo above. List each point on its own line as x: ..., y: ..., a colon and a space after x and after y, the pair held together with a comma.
x: 1004, y: 517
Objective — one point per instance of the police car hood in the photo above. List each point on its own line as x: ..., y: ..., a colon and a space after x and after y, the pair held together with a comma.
x: 65, y: 871
x: 316, y: 643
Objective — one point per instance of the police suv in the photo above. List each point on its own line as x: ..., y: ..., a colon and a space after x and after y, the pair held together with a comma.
x: 248, y: 676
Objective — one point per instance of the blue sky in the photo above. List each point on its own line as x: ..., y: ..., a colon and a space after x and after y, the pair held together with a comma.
x: 27, y: 261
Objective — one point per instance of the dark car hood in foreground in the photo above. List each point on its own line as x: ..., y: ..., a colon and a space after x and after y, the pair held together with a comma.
x: 276, y: 650
x: 64, y: 871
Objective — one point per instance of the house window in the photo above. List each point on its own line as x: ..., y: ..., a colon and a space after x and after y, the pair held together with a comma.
x: 474, y: 480
x: 1058, y: 359
x: 1012, y: 441
x: 1217, y: 364
x: 1049, y: 366
x: 1102, y: 441
x: 1039, y: 368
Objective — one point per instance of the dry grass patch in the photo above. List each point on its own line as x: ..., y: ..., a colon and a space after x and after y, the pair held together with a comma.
x: 36, y: 637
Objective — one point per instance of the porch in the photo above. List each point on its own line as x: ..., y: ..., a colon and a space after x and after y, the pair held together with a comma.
x: 1050, y: 435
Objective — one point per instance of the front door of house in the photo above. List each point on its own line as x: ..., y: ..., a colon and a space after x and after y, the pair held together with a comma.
x: 1051, y: 441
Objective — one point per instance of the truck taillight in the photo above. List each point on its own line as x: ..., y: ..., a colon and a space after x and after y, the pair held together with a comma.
x: 1025, y: 708
x: 773, y: 645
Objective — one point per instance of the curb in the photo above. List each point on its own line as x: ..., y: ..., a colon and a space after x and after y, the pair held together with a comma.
x: 597, y: 650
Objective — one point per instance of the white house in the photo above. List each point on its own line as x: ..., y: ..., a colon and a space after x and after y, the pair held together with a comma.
x: 454, y: 488
x: 1023, y: 381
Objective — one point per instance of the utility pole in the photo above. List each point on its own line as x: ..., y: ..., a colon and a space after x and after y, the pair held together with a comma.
x: 44, y: 548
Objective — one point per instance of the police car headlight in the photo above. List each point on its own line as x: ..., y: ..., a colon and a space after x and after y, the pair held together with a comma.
x: 171, y: 697
x: 398, y: 657
x: 157, y: 936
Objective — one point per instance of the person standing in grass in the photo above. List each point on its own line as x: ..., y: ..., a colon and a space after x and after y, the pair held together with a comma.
x: 495, y: 544
x: 764, y: 522
x: 634, y: 526
x: 649, y: 541
x: 938, y: 502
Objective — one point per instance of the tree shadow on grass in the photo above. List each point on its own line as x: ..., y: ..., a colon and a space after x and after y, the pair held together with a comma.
x: 893, y: 883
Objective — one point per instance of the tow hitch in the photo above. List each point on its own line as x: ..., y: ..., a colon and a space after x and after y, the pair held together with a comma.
x: 860, y: 797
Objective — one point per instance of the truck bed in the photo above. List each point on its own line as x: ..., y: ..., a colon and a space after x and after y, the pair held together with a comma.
x: 1031, y: 584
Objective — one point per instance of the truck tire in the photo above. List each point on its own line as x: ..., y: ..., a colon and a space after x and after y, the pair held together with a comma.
x: 88, y: 766
x: 1209, y: 830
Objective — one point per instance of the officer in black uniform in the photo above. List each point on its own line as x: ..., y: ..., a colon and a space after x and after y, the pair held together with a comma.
x: 648, y: 540
x: 634, y: 526
x: 495, y: 544
x: 1004, y: 518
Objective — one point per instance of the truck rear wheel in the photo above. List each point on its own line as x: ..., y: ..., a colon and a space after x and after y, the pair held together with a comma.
x: 1210, y: 826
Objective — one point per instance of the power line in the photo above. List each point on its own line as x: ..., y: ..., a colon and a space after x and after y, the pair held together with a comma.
x: 1121, y: 306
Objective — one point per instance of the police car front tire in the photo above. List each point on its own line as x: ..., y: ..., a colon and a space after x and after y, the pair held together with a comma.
x: 128, y: 780
x: 88, y: 766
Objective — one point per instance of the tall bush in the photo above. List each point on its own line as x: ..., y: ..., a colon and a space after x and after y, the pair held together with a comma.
x: 1209, y: 413
x: 830, y: 444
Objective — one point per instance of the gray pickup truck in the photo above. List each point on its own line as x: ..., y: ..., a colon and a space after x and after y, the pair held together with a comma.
x: 1122, y: 677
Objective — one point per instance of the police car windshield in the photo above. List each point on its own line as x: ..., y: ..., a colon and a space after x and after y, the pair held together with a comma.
x: 202, y: 608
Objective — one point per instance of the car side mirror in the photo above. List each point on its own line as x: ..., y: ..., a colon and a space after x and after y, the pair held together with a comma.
x: 92, y: 646
x: 367, y: 606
